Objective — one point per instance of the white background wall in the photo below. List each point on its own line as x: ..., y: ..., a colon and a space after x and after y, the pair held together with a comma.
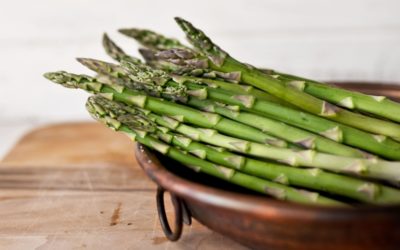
x: 342, y: 40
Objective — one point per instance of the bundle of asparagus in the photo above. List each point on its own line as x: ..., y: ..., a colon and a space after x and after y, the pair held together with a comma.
x: 281, y: 135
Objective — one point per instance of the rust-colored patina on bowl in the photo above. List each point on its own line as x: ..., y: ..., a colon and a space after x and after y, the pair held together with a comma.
x: 264, y: 223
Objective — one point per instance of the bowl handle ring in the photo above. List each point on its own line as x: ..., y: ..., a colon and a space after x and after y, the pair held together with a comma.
x: 182, y: 215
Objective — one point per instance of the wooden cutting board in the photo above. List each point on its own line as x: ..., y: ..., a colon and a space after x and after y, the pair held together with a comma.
x: 78, y: 186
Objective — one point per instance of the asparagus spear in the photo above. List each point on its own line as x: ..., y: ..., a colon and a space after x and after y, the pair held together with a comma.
x: 115, y: 52
x: 155, y: 42
x: 160, y: 106
x: 223, y: 83
x: 151, y: 39
x: 373, y: 143
x: 272, y: 127
x: 369, y: 168
x: 221, y: 61
x: 310, y: 178
x: 377, y: 144
x: 372, y: 168
x: 276, y: 129
x: 377, y: 105
x: 275, y: 190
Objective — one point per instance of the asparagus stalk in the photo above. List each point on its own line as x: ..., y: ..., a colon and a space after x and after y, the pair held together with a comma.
x: 374, y: 143
x: 372, y: 168
x: 276, y: 129
x: 369, y: 168
x: 221, y: 61
x: 205, y: 78
x: 309, y: 178
x: 151, y: 39
x: 380, y: 145
x: 163, y: 107
x: 154, y: 41
x: 158, y: 41
x: 377, y: 105
x: 116, y: 52
x: 272, y: 127
x: 377, y: 144
x: 275, y: 190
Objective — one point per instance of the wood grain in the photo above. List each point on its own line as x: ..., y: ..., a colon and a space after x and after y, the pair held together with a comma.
x: 77, y: 186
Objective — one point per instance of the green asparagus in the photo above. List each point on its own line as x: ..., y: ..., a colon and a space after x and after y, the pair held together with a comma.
x: 276, y: 190
x: 221, y: 61
x: 377, y: 105
x: 160, y: 106
x: 373, y: 168
x: 261, y: 129
x: 310, y: 178
x: 377, y: 144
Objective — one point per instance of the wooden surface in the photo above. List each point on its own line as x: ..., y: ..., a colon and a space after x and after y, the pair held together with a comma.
x: 77, y: 186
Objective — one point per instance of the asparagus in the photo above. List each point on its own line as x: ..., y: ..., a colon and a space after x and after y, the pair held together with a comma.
x: 377, y: 105
x: 161, y: 106
x: 158, y: 41
x: 276, y: 129
x: 275, y: 190
x: 281, y: 130
x: 155, y: 42
x: 151, y: 39
x: 369, y: 168
x: 151, y: 59
x: 309, y: 178
x: 372, y: 168
x: 116, y: 52
x: 272, y: 127
x: 377, y: 144
x: 221, y: 61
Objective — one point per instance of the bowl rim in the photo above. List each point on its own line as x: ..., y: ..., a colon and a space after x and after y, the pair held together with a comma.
x: 248, y: 203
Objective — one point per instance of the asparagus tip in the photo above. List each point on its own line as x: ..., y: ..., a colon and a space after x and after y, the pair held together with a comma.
x: 48, y: 75
x: 131, y: 32
x: 87, y: 62
x: 182, y: 22
x: 97, y: 65
x: 105, y: 36
x: 147, y: 54
x: 69, y: 80
x: 202, y: 42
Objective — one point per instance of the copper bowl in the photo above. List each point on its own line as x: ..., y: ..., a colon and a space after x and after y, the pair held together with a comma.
x: 264, y: 223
